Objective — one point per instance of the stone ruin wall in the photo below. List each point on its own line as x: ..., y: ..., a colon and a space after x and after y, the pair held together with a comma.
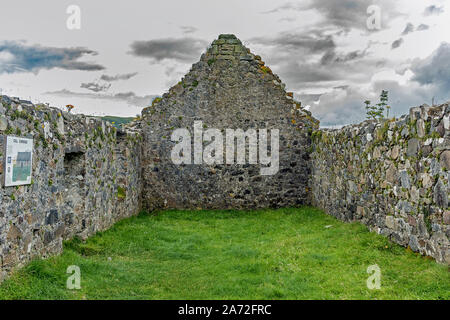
x: 229, y: 88
x: 85, y: 177
x: 392, y: 176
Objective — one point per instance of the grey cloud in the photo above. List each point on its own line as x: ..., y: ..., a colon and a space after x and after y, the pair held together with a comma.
x: 170, y: 70
x: 188, y: 29
x: 435, y: 69
x: 344, y: 87
x: 294, y: 56
x: 95, y: 87
x: 431, y: 79
x: 308, y: 98
x: 340, y: 106
x: 183, y: 50
x: 333, y: 57
x: 118, y: 77
x: 423, y: 27
x: 312, y: 41
x: 21, y: 57
x: 433, y: 10
x: 408, y: 29
x: 403, y: 97
x: 174, y: 72
x: 342, y: 13
x: 433, y: 74
x: 310, y: 59
x: 133, y: 99
x: 397, y: 43
x: 286, y: 6
x: 128, y: 97
x: 287, y: 19
x: 299, y: 74
x: 345, y: 104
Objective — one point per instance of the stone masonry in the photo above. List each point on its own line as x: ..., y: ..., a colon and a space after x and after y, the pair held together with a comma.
x: 391, y: 175
x: 85, y: 177
x: 229, y: 88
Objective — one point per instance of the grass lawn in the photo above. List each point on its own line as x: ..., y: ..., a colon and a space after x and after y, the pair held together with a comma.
x: 265, y: 254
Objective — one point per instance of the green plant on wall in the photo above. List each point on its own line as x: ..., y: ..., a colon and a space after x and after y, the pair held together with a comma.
x: 156, y: 101
x: 121, y: 193
x: 376, y: 112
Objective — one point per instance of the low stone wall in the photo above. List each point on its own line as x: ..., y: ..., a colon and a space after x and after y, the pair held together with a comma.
x: 393, y: 176
x: 85, y: 177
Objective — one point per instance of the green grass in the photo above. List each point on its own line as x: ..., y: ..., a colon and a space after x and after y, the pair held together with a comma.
x: 118, y: 121
x: 265, y: 254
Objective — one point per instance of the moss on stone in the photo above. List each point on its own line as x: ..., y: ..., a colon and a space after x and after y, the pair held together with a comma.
x: 121, y: 193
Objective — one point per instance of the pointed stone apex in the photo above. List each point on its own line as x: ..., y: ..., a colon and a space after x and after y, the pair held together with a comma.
x: 229, y: 47
x: 228, y: 36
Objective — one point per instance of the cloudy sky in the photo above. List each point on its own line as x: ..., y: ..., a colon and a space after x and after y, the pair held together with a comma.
x: 127, y: 52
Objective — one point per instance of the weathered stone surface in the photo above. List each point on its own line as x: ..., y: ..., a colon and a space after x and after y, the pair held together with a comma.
x: 435, y: 167
x: 440, y: 196
x: 415, y: 194
x: 352, y: 186
x: 3, y: 123
x: 440, y: 129
x: 14, y: 233
x: 446, y: 217
x: 376, y: 153
x: 60, y: 125
x: 404, y: 206
x: 395, y: 152
x: 445, y: 159
x: 405, y: 132
x: 52, y: 217
x: 404, y: 180
x: 59, y: 204
x: 426, y: 150
x: 360, y: 211
x: 226, y: 91
x: 420, y: 127
x: 427, y: 180
x: 391, y: 174
x: 446, y: 122
x: 414, y: 113
x: 414, y: 244
x: 413, y: 147
x: 227, y: 37
x: 390, y: 222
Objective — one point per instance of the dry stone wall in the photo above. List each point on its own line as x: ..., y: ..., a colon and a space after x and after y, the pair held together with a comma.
x: 229, y: 88
x: 85, y: 177
x: 393, y: 176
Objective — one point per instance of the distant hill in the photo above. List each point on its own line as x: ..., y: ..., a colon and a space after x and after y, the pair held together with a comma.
x: 117, y: 121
